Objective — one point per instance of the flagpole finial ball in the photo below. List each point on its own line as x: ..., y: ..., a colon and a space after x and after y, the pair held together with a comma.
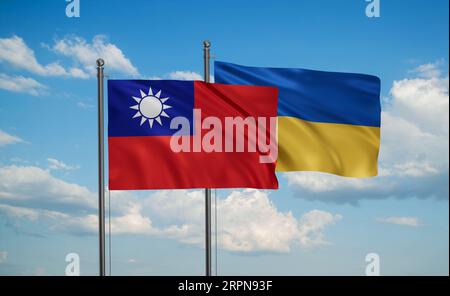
x: 100, y: 63
x: 206, y: 44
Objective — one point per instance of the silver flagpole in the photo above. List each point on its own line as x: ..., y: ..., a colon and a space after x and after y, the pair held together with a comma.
x: 101, y: 169
x: 206, y: 58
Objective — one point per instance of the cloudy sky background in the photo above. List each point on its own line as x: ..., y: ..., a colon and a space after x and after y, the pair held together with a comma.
x: 316, y: 224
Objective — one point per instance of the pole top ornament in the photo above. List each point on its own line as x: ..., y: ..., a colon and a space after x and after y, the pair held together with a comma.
x: 100, y: 62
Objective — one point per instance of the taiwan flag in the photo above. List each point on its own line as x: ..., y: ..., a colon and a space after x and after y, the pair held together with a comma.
x: 169, y: 134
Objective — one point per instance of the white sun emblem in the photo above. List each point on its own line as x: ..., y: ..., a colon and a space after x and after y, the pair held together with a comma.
x: 150, y: 107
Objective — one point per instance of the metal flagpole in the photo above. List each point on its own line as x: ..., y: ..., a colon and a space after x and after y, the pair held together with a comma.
x: 101, y: 169
x: 206, y: 58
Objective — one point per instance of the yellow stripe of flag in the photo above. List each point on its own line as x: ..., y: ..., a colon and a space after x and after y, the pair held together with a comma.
x: 341, y: 149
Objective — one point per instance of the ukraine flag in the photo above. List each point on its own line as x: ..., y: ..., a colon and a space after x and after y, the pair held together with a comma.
x: 327, y: 121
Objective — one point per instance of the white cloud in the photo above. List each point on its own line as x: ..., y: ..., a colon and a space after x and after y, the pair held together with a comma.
x: 32, y: 185
x: 415, y: 169
x: 403, y: 141
x: 54, y: 164
x: 15, y: 52
x: 414, y: 158
x: 320, y: 182
x: 429, y: 70
x: 30, y: 213
x: 18, y: 160
x: 185, y: 75
x: 248, y: 220
x: 22, y: 84
x: 86, y: 224
x: 405, y: 221
x: 7, y: 139
x: 83, y: 54
x: 179, y: 75
x: 55, y: 221
x: 86, y: 53
x: 84, y: 105
x: 58, y: 221
x: 423, y: 102
x: 132, y: 222
x: 77, y: 73
x: 312, y: 225
x: 3, y: 256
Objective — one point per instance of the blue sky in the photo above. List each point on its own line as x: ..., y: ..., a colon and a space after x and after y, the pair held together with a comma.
x: 315, y: 224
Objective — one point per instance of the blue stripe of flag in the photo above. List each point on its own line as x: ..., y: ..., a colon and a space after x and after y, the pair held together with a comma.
x: 316, y: 96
